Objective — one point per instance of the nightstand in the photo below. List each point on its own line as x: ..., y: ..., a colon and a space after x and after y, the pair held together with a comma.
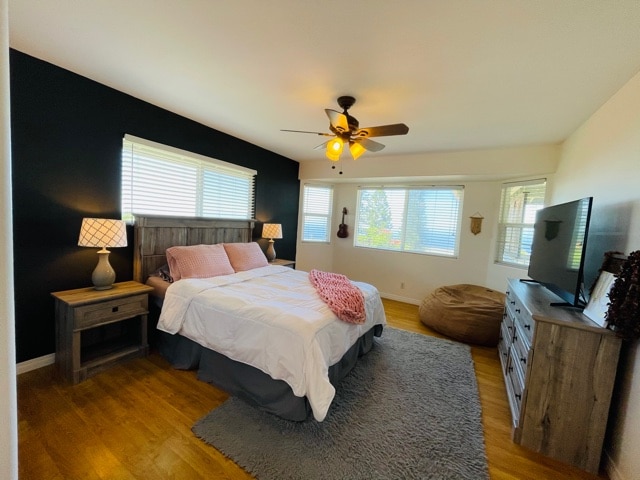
x: 80, y: 310
x: 284, y: 263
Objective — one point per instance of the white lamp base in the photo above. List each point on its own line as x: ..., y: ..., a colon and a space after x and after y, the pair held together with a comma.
x: 103, y: 276
x: 271, y: 252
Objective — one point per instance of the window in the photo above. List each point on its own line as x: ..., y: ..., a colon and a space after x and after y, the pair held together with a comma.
x: 518, y: 206
x: 316, y: 213
x: 162, y: 180
x: 410, y: 219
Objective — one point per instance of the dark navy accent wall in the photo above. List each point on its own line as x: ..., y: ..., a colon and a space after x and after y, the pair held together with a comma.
x: 66, y: 133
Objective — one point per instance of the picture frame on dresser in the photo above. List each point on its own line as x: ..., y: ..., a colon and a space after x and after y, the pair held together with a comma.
x: 598, y: 304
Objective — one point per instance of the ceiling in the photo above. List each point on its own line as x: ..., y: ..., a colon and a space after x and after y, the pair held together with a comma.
x: 462, y: 74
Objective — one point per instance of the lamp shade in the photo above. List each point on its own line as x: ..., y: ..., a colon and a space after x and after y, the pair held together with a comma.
x: 356, y: 150
x: 103, y: 233
x: 334, y: 149
x: 272, y: 230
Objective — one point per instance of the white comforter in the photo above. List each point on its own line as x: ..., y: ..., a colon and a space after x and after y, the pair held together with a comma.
x: 270, y: 318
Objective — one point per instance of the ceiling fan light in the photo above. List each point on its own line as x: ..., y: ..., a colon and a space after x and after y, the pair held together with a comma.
x: 332, y: 156
x: 336, y: 145
x: 334, y: 149
x: 356, y: 150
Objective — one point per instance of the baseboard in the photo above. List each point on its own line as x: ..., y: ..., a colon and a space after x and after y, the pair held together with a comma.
x: 399, y: 298
x: 35, y: 363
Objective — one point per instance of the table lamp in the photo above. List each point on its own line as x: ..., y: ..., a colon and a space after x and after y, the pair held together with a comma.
x: 271, y: 231
x: 103, y: 233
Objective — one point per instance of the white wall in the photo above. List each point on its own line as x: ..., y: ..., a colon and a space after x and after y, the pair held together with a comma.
x: 8, y: 408
x: 420, y: 274
x: 602, y: 159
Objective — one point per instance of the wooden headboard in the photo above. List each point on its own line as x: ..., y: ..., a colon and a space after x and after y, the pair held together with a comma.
x: 154, y: 234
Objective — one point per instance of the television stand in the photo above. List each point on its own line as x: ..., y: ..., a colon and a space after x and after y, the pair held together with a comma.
x: 559, y: 369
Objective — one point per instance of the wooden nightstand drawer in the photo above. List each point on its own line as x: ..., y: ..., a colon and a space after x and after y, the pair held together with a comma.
x: 110, y: 311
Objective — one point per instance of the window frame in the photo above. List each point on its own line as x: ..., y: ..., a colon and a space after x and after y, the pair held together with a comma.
x: 197, y: 184
x: 503, y: 244
x: 405, y: 240
x: 306, y: 212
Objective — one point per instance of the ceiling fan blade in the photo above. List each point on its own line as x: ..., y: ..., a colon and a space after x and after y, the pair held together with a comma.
x: 322, y: 145
x: 382, y: 130
x: 338, y: 120
x: 304, y: 131
x: 369, y: 145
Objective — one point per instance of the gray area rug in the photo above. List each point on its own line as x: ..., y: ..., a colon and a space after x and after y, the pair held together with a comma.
x: 409, y: 409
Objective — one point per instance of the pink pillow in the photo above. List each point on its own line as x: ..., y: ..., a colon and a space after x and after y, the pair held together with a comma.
x: 198, y: 261
x: 245, y: 256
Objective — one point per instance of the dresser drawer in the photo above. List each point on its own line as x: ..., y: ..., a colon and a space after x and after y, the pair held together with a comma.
x: 515, y: 387
x: 521, y: 349
x: 522, y: 318
x: 110, y: 311
x: 507, y: 321
x: 503, y: 346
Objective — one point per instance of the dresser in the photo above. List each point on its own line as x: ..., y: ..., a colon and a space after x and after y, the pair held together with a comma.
x: 559, y: 370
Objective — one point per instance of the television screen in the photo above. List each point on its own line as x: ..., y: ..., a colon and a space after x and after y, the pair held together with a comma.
x: 558, y: 249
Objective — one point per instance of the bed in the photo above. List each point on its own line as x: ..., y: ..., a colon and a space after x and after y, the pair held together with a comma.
x: 260, y: 333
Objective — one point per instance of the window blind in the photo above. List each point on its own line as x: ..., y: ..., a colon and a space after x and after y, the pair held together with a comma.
x: 162, y: 180
x: 418, y: 219
x: 519, y: 203
x: 317, y: 205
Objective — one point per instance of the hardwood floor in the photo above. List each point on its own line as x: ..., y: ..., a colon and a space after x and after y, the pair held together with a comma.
x: 134, y: 421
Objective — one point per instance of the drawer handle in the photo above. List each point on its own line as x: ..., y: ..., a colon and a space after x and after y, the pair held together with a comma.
x: 518, y: 396
x: 512, y: 302
x: 114, y: 309
x: 517, y: 310
x: 510, y: 369
x: 527, y: 326
x: 523, y: 360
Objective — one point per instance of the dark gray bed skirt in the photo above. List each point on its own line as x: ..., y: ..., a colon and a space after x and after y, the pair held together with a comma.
x: 249, y: 383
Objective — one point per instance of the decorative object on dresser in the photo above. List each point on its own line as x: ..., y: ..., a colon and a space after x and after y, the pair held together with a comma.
x: 420, y: 418
x: 624, y: 308
x: 271, y: 231
x: 559, y: 369
x: 83, y: 309
x: 103, y: 233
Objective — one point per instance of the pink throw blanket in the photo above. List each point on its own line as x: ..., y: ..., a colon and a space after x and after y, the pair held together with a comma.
x: 343, y: 297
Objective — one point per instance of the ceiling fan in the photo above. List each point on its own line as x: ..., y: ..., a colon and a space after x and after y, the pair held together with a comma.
x: 345, y: 130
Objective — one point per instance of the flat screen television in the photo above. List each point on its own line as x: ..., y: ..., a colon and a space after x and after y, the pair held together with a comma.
x: 558, y: 250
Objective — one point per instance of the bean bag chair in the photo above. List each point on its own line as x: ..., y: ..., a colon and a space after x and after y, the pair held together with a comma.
x: 467, y: 313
